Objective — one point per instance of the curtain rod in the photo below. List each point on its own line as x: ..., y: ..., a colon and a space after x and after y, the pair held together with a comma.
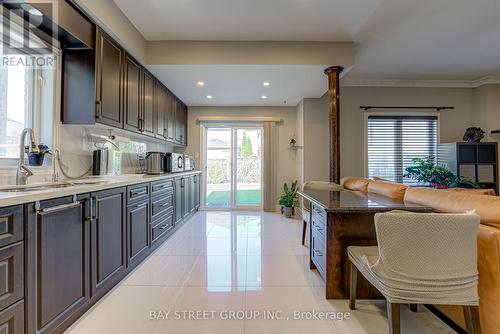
x: 438, y: 108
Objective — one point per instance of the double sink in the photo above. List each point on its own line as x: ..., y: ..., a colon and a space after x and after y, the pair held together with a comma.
x: 48, y: 186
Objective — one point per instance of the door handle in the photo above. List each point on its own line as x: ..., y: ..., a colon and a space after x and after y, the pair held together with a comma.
x: 98, y: 109
x: 60, y: 207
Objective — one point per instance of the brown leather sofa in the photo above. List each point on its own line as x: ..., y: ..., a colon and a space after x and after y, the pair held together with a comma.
x: 488, y: 238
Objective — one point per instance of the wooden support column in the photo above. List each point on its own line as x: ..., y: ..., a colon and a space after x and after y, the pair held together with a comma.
x: 333, y: 73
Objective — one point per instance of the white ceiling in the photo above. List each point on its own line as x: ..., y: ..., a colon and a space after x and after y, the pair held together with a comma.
x: 258, y: 20
x: 395, y: 40
x: 237, y: 85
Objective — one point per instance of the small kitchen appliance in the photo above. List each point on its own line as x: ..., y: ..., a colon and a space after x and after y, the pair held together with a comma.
x: 174, y: 163
x: 100, y: 162
x: 155, y: 163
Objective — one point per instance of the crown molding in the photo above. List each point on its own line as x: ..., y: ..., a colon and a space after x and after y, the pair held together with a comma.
x: 421, y: 83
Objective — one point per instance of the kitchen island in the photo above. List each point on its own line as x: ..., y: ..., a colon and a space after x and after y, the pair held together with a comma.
x: 340, y: 219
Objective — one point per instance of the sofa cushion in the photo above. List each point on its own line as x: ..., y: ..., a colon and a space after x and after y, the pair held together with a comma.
x: 387, y: 188
x: 488, y: 252
x: 487, y: 207
x: 355, y: 183
x: 473, y: 191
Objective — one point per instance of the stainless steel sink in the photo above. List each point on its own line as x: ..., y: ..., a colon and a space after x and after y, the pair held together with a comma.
x: 35, y: 187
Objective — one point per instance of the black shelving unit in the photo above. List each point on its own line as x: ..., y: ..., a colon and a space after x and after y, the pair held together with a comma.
x: 477, y: 162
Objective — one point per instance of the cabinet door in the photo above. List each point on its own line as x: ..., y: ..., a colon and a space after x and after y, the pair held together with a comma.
x: 138, y: 232
x: 108, y: 231
x: 109, y: 78
x: 187, y: 194
x: 179, y: 199
x: 148, y: 101
x: 192, y: 193
x: 170, y: 117
x: 197, y: 191
x: 132, y: 111
x: 12, y: 319
x: 61, y: 237
x: 178, y: 122
x: 183, y: 124
x: 160, y: 112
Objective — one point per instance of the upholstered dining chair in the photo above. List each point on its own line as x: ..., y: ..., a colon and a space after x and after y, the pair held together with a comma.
x: 421, y: 258
x: 306, y: 205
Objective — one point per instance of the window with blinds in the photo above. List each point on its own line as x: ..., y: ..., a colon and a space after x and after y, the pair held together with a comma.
x: 394, y: 140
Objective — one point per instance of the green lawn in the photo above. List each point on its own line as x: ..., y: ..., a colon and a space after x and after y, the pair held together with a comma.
x: 243, y: 197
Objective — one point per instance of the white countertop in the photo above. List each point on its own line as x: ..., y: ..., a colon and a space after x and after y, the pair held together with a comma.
x: 105, y: 182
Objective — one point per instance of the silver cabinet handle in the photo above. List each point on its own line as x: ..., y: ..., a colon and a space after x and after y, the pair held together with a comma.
x: 140, y: 206
x: 60, y: 207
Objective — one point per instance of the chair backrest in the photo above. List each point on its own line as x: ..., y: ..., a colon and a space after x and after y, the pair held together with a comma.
x: 428, y: 245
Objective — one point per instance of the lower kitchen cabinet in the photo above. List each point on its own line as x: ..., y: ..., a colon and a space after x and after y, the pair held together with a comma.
x: 71, y: 250
x: 58, y: 266
x: 179, y: 199
x: 12, y: 319
x: 186, y: 201
x: 108, y: 235
x: 137, y: 232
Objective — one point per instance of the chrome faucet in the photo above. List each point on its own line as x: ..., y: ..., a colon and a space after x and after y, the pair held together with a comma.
x: 23, y: 171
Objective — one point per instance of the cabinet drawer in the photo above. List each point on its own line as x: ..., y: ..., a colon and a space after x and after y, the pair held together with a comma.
x: 318, y: 225
x: 137, y: 192
x: 161, y: 204
x: 11, y: 224
x: 11, y: 275
x: 12, y: 319
x: 162, y: 226
x: 160, y: 186
x: 318, y: 253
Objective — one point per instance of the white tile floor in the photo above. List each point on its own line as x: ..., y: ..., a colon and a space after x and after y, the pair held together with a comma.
x: 235, y: 261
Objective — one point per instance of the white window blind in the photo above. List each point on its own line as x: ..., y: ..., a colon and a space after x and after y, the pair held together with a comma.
x: 394, y: 140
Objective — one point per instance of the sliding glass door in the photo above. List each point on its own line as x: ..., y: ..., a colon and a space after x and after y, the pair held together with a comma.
x: 233, y: 165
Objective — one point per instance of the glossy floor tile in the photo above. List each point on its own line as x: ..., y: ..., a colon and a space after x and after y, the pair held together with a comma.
x: 236, y: 272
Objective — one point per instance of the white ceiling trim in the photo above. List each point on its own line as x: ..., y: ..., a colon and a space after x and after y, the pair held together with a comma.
x: 421, y: 83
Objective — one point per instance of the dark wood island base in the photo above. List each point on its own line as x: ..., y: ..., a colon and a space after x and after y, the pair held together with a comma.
x: 340, y: 219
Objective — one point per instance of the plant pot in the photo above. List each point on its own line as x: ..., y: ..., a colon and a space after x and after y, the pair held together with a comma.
x: 288, y: 211
x: 36, y: 159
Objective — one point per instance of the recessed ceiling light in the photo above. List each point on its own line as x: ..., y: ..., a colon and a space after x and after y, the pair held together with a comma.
x: 209, y: 97
x: 264, y: 97
x: 266, y: 83
x: 200, y: 83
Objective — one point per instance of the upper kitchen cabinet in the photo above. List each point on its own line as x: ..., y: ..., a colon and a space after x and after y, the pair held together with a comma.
x: 109, y: 81
x: 106, y: 85
x: 132, y: 106
x: 161, y: 111
x: 170, y: 117
x: 180, y: 122
x: 148, y: 104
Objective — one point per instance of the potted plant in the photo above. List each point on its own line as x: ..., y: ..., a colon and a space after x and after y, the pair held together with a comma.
x: 288, y: 200
x: 36, y: 159
x: 439, y: 176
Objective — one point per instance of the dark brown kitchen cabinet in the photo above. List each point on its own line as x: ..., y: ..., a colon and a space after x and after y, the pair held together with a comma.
x: 180, y: 122
x: 196, y: 190
x: 137, y: 232
x: 148, y: 104
x: 58, y: 265
x: 186, y: 205
x: 12, y: 319
x: 11, y: 274
x: 109, y: 80
x: 108, y: 235
x: 170, y: 117
x: 161, y: 110
x: 133, y: 119
x: 179, y: 199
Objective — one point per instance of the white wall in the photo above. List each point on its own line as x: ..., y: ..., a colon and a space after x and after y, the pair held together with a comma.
x: 286, y: 168
x: 452, y: 123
